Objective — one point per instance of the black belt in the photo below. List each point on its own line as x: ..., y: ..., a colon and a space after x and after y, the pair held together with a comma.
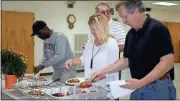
x: 162, y: 78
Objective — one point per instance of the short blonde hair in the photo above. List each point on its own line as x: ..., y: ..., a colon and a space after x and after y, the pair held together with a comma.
x: 101, y: 26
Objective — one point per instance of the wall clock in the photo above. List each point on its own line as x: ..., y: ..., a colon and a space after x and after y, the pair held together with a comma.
x: 71, y: 19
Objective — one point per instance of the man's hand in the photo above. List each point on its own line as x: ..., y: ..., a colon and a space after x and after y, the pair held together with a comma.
x: 68, y: 64
x: 38, y: 68
x: 133, y: 84
x: 100, y: 75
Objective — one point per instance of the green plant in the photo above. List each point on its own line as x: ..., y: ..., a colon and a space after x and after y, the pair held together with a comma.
x: 13, y: 63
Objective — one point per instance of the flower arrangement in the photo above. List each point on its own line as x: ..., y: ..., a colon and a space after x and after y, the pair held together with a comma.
x: 13, y: 63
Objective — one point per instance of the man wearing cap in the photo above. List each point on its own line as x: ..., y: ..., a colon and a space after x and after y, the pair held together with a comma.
x: 56, y: 51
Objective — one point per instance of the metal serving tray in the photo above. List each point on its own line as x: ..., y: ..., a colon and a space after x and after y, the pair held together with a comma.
x: 29, y: 96
x: 37, y: 84
x: 93, y: 92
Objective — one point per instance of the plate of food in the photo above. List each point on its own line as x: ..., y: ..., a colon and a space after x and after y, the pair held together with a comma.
x: 85, y: 84
x: 74, y: 81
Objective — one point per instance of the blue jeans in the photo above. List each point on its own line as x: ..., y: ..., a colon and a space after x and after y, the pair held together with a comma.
x: 159, y: 90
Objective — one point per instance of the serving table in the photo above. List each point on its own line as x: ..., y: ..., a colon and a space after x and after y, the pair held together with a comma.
x: 17, y: 94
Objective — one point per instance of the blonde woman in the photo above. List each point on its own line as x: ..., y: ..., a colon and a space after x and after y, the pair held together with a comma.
x: 99, y: 52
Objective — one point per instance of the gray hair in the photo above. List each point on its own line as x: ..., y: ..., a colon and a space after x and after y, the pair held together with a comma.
x: 107, y: 10
x: 131, y: 5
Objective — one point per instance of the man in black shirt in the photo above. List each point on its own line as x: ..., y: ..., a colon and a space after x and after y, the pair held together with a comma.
x: 148, y: 52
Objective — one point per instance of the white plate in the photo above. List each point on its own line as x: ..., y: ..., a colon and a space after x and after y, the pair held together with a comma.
x: 80, y: 79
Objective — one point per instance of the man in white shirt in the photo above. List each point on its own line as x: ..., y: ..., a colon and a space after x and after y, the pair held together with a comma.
x: 116, y: 28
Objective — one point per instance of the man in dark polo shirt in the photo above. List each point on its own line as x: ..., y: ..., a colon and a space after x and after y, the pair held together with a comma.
x: 149, y: 54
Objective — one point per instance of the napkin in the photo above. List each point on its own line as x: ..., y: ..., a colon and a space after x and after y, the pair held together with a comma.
x: 116, y: 90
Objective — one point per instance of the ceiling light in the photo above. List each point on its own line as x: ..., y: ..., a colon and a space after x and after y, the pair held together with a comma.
x: 165, y: 3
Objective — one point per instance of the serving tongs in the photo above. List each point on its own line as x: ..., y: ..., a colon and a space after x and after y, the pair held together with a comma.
x: 53, y: 81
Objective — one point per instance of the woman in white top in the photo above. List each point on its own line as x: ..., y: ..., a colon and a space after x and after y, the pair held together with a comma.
x: 99, y: 52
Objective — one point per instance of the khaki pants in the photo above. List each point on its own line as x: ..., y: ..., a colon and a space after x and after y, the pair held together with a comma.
x: 64, y: 74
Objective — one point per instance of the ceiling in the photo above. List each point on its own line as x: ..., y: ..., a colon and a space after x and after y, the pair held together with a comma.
x: 148, y: 3
x: 171, y: 8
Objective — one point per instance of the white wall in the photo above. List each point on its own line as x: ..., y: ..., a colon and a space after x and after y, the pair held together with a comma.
x: 55, y: 13
x: 166, y: 15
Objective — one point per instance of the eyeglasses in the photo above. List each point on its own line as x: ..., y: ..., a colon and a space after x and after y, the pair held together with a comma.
x: 103, y: 12
x: 126, y: 16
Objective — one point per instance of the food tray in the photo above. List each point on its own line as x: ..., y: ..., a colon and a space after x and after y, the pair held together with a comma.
x: 29, y: 96
x: 36, y: 84
x: 63, y: 90
x: 94, y: 92
x: 91, y: 93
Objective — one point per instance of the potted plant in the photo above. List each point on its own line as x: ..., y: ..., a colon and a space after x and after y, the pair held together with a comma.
x: 13, y: 65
